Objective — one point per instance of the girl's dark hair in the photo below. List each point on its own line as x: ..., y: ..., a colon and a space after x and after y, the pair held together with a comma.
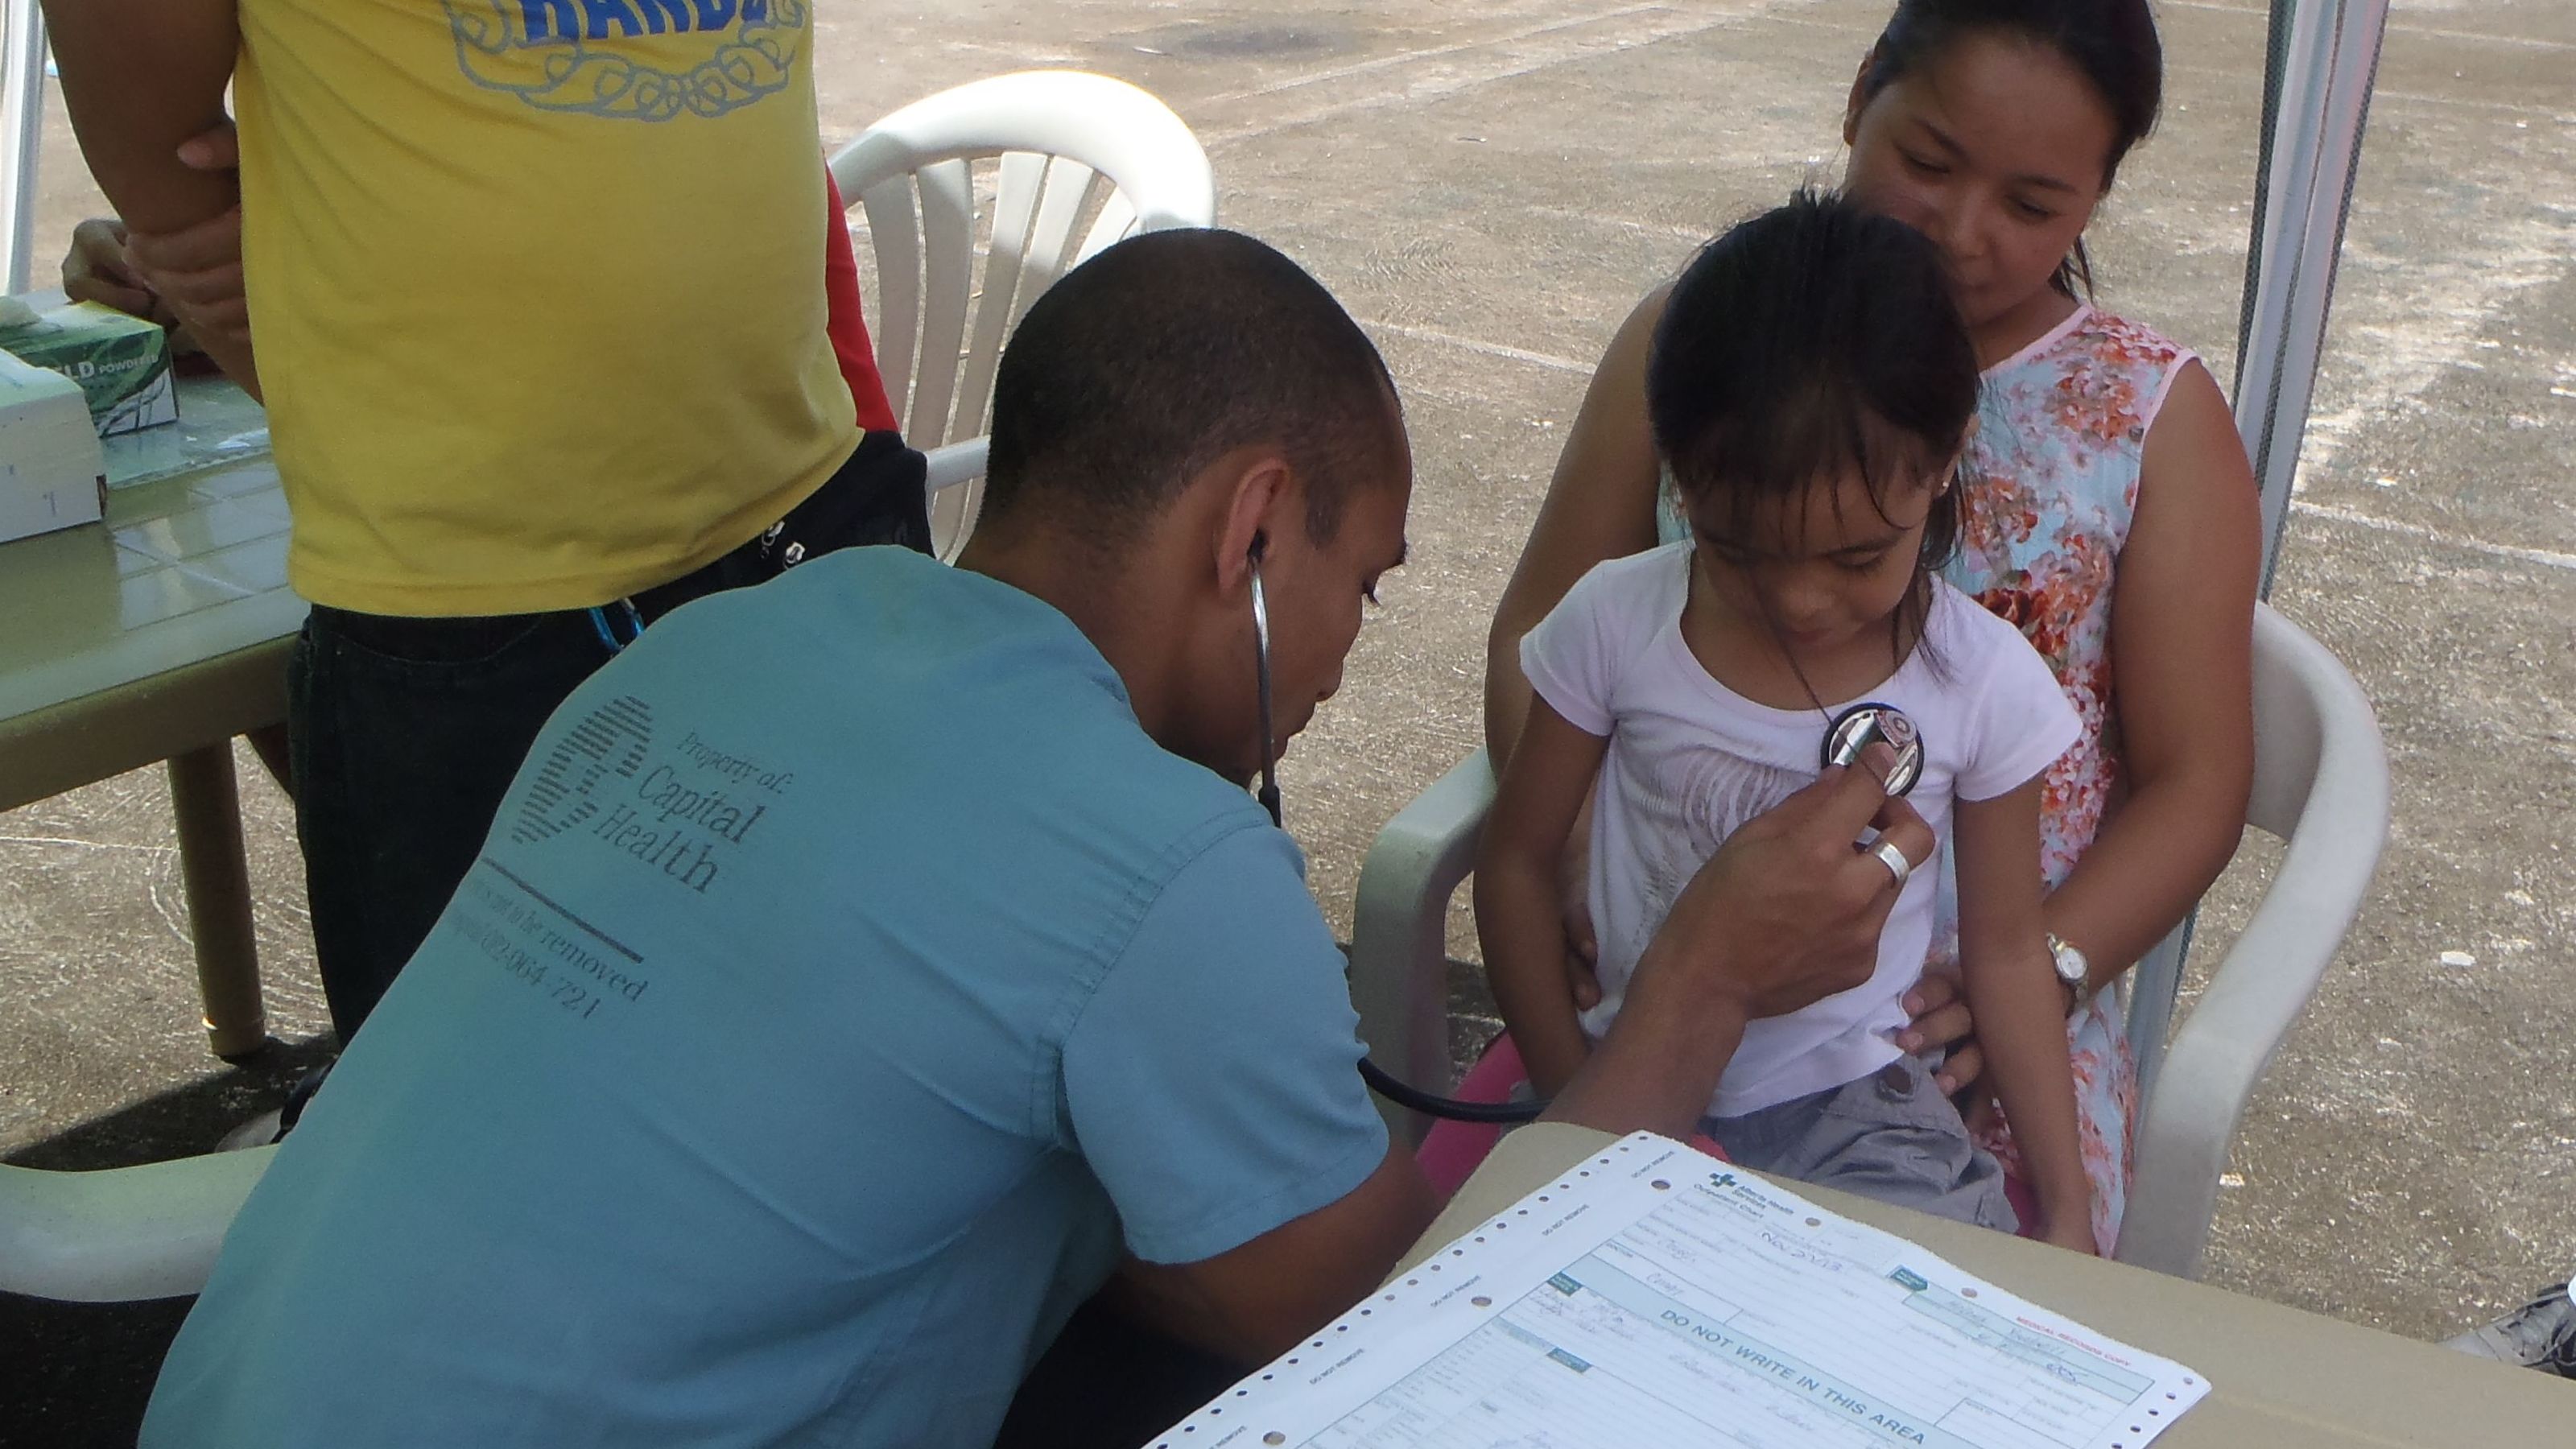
x: 1809, y: 343
x: 2111, y: 42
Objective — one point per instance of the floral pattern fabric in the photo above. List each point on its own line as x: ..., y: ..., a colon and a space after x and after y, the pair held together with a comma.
x: 2053, y: 484
x: 2053, y: 478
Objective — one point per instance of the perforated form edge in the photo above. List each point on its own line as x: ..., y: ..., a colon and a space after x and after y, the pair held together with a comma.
x: 1210, y: 1426
x: 1184, y: 1435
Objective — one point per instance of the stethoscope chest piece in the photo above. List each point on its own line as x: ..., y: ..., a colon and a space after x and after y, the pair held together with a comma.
x: 1871, y: 722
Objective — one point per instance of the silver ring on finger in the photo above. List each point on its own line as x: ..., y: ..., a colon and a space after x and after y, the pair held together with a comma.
x: 1894, y: 859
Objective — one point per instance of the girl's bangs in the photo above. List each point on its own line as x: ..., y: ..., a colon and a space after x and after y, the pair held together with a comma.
x: 1764, y: 461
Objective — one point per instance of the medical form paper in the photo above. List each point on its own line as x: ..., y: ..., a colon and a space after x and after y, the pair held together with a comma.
x: 1654, y: 1296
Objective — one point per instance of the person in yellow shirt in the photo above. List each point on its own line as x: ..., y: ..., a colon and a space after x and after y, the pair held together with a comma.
x: 538, y: 287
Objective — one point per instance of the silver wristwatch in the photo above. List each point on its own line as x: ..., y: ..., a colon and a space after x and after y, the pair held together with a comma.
x: 2073, y: 970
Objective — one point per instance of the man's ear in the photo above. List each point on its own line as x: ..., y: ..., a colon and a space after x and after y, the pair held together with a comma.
x: 1262, y: 499
x: 1859, y: 99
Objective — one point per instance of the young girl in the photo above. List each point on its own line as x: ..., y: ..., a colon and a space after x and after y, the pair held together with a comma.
x: 1811, y: 388
x: 2120, y: 530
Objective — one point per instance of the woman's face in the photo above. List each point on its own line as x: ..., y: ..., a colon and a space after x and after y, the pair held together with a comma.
x: 1995, y: 150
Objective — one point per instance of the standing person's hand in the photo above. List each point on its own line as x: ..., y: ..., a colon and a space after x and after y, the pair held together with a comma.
x: 1786, y: 913
x: 97, y: 269
x: 197, y: 271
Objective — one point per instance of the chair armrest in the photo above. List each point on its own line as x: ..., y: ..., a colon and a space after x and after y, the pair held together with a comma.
x: 2321, y: 782
x: 1399, y: 928
x: 121, y: 1233
x: 955, y: 463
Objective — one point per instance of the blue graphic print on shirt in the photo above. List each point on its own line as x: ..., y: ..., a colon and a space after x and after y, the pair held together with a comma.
x: 550, y: 53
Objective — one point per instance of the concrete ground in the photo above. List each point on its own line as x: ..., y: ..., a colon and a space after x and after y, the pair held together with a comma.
x: 1490, y: 187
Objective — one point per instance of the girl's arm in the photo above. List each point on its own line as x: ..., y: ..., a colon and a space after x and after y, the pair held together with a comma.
x: 1518, y: 892
x: 2012, y: 988
x: 2182, y: 628
x: 1600, y: 505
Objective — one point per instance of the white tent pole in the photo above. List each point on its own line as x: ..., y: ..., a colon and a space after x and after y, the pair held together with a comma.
x: 2343, y: 114
x: 2287, y: 188
x: 22, y: 120
x: 2328, y: 68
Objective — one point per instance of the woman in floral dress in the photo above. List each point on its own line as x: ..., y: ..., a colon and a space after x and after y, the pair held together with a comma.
x: 2114, y: 516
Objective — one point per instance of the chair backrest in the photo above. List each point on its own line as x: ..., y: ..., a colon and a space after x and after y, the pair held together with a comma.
x: 2321, y: 784
x: 2316, y: 753
x: 1083, y: 160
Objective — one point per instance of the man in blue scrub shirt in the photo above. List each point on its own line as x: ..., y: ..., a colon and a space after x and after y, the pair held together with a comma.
x: 865, y: 967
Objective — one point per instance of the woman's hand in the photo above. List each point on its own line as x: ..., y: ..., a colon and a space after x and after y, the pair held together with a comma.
x: 1983, y: 1115
x: 1939, y: 1005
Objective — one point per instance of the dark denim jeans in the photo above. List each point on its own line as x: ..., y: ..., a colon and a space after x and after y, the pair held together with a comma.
x: 1111, y: 1383
x: 405, y: 733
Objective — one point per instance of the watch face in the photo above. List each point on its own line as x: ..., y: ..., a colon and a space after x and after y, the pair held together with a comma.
x: 2072, y: 968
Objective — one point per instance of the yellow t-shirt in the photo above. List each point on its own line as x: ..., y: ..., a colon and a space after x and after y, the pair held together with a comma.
x: 537, y: 290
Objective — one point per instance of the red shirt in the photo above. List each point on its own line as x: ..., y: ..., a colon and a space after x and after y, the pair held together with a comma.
x: 846, y: 324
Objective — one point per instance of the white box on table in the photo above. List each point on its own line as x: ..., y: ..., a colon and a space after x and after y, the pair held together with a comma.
x: 52, y: 472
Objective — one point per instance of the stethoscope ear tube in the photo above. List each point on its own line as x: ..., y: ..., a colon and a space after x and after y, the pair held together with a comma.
x: 1268, y: 794
x: 1410, y: 1098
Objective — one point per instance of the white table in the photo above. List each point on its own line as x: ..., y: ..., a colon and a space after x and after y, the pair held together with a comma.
x: 159, y: 636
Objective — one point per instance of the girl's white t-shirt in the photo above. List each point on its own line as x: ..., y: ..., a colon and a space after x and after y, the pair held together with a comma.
x: 1690, y: 761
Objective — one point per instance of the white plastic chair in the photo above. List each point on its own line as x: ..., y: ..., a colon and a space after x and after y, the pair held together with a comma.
x: 121, y: 1233
x: 1084, y: 161
x: 2320, y: 784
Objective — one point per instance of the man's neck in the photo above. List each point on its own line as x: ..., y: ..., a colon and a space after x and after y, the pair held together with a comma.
x: 1124, y: 610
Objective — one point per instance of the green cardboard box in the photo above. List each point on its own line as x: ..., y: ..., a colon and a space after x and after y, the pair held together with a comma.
x: 121, y: 363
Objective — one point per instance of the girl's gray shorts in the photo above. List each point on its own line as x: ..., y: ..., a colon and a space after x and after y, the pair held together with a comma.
x: 1890, y: 1136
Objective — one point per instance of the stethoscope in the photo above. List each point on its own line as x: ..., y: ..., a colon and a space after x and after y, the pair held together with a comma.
x: 1849, y: 733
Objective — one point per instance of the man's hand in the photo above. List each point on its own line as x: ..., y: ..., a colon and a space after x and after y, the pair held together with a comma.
x: 1787, y: 912
x: 97, y: 269
x: 197, y: 273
